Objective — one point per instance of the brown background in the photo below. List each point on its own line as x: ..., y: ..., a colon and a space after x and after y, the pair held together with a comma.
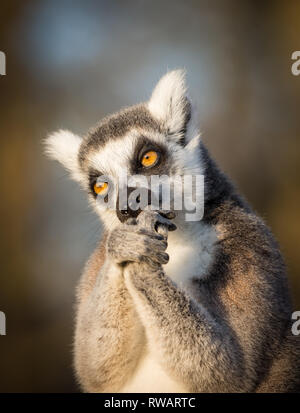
x: 71, y: 62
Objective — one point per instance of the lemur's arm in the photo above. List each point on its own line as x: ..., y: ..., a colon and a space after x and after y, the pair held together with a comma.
x: 191, y: 344
x: 109, y: 333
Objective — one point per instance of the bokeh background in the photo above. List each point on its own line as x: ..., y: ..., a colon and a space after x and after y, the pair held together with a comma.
x: 71, y: 62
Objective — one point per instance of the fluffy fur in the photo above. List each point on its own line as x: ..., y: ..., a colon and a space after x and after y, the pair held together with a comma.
x: 205, y: 308
x: 63, y: 146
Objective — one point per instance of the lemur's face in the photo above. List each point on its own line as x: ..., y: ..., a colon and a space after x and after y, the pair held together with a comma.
x: 157, y: 138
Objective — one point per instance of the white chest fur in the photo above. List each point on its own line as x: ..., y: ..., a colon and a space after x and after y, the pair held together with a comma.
x: 191, y: 254
x: 149, y: 377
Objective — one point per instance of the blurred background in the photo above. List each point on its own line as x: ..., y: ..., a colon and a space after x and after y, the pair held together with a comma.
x: 69, y: 63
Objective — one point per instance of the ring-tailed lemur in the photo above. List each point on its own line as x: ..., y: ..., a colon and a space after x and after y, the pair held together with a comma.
x: 205, y: 308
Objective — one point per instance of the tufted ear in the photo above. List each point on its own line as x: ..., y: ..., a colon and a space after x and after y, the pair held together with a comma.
x: 63, y: 146
x: 169, y: 102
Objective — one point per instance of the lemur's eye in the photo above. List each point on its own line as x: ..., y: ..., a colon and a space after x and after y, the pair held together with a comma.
x: 149, y: 159
x: 101, y: 188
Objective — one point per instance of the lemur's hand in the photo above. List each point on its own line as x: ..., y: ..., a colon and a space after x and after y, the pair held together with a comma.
x: 141, y: 240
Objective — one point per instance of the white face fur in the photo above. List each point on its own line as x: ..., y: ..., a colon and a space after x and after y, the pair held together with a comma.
x: 166, y: 120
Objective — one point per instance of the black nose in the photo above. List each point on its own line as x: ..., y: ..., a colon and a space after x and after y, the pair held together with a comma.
x: 124, y: 212
x: 130, y: 210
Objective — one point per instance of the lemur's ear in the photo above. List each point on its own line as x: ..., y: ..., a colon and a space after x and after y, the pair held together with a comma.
x: 169, y: 102
x: 63, y: 146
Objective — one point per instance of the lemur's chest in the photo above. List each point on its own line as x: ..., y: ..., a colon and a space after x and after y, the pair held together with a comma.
x: 150, y: 377
x: 189, y: 258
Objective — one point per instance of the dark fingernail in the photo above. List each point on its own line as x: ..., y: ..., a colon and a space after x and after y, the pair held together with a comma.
x: 172, y: 227
x: 171, y: 215
x: 163, y: 256
x: 168, y: 214
x: 158, y: 236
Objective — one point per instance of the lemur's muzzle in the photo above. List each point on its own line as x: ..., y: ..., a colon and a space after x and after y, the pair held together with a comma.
x: 131, y: 201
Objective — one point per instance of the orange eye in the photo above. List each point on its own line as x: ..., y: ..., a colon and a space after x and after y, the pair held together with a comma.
x: 149, y: 158
x: 101, y: 188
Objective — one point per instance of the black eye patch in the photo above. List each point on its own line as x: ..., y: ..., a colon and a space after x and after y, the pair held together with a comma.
x: 146, y: 145
x: 93, y: 177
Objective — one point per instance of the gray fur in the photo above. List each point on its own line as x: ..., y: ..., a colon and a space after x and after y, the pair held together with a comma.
x: 116, y: 126
x: 227, y: 326
x: 108, y: 336
x: 133, y: 243
x: 235, y: 338
x: 108, y: 328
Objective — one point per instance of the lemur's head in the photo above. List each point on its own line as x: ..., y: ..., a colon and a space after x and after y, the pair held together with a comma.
x: 159, y: 137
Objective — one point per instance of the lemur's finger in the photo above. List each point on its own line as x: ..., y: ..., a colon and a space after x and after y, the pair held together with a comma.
x: 162, y: 257
x: 156, y: 259
x: 167, y: 214
x: 166, y: 222
x: 169, y: 225
x: 152, y: 263
x: 150, y: 234
x: 147, y: 220
x: 152, y: 220
x: 154, y: 245
x: 162, y: 229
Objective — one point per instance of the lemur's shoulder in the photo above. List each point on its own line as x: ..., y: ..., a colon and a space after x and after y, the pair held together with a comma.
x: 244, y: 233
x: 248, y: 270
